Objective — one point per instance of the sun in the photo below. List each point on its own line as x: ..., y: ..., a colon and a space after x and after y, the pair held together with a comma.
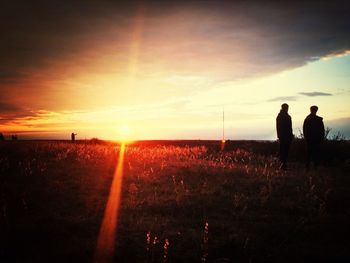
x: 124, y: 130
x: 124, y: 133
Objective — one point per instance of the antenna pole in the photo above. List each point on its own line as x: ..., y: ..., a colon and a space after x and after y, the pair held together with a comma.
x: 223, y: 124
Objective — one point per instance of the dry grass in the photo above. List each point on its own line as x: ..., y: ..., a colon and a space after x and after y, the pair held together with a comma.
x: 179, y: 204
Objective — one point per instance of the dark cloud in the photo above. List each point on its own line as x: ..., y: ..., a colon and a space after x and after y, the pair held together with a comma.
x: 286, y: 34
x: 10, y: 76
x: 294, y: 98
x: 315, y: 94
x: 284, y: 98
x: 36, y: 34
x: 10, y: 112
x: 7, y: 107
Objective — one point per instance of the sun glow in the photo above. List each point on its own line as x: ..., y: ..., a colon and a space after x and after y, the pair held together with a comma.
x: 124, y: 134
x: 124, y: 130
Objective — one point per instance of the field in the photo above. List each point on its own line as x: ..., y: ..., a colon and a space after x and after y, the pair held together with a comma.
x: 184, y: 201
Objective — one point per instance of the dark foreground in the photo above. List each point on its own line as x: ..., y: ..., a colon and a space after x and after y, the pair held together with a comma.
x: 53, y: 195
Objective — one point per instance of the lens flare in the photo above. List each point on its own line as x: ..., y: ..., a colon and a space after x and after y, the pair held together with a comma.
x: 107, y: 235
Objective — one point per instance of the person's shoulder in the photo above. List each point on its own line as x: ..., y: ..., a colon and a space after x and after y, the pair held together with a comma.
x: 308, y: 117
x: 279, y: 115
x: 319, y: 118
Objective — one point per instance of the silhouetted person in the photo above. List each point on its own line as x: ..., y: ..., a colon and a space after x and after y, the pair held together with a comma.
x: 284, y: 134
x: 314, y: 133
x: 2, y: 137
x: 73, y: 136
x: 14, y: 137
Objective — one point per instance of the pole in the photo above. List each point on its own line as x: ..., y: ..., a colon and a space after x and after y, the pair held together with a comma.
x: 223, y: 124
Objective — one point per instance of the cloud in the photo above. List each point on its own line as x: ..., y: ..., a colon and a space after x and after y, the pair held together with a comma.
x: 7, y: 76
x: 51, y: 48
x: 7, y: 107
x: 294, y: 98
x: 284, y: 98
x: 336, y: 55
x: 10, y: 112
x: 259, y: 37
x: 315, y: 94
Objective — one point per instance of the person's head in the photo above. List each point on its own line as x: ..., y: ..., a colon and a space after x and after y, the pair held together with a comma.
x: 313, y: 109
x: 284, y: 107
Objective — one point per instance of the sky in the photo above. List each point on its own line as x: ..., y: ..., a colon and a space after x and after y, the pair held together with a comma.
x: 168, y: 69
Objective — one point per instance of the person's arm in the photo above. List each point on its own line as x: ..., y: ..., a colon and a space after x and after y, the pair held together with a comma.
x: 278, y: 127
x: 305, y: 129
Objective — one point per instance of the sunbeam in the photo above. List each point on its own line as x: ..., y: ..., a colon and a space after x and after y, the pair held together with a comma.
x: 135, y: 42
x: 106, y: 238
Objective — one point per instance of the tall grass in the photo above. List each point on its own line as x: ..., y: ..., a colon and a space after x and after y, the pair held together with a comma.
x: 53, y: 196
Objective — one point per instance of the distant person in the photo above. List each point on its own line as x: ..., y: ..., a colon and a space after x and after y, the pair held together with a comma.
x: 314, y: 133
x: 284, y: 134
x: 2, y: 137
x: 73, y: 136
x: 14, y: 137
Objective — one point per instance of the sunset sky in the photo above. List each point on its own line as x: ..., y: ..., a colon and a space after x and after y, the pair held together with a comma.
x: 167, y: 69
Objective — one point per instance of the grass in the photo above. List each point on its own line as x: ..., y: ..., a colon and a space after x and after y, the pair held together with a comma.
x: 181, y: 202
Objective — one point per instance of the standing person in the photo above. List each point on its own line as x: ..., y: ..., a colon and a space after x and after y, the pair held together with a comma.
x: 284, y: 134
x: 313, y: 130
x: 73, y: 136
